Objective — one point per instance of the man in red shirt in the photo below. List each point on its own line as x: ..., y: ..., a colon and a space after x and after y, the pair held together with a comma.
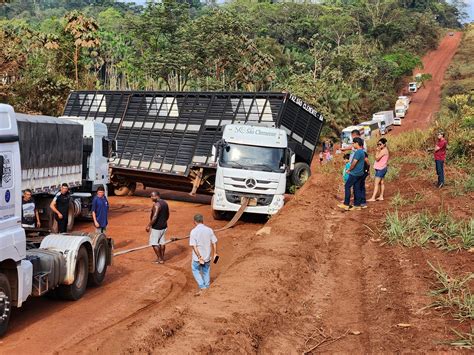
x: 440, y: 157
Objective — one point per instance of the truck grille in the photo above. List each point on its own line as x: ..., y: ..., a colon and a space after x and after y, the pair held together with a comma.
x: 239, y: 183
x: 235, y: 197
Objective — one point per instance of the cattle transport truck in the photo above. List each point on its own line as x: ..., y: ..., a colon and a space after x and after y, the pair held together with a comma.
x: 61, y: 263
x: 166, y: 140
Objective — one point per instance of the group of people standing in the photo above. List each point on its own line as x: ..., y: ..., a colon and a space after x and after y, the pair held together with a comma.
x: 357, y: 169
x: 60, y: 206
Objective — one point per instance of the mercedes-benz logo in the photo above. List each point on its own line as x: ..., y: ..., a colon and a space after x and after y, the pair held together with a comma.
x: 250, y: 183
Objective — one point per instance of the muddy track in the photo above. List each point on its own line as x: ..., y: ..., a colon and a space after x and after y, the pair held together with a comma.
x: 319, y: 276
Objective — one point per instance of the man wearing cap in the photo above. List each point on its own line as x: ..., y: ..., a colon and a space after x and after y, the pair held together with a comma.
x: 440, y: 157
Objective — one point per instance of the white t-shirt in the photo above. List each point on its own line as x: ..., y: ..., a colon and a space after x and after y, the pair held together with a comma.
x: 202, y: 237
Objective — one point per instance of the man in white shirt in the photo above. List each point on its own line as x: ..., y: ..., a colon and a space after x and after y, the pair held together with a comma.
x: 202, y: 239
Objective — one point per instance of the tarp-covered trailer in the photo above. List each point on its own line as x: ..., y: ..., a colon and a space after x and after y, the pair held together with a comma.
x: 54, y: 151
x: 165, y: 139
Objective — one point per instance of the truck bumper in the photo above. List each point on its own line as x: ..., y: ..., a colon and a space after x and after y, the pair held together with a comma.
x: 220, y: 203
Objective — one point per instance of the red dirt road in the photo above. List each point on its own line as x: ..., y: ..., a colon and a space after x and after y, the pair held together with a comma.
x: 426, y: 101
x: 319, y: 276
x: 132, y: 286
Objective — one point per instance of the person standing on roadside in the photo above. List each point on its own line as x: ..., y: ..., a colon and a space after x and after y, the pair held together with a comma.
x: 381, y: 167
x: 60, y: 206
x: 440, y: 157
x: 158, y: 225
x: 201, y: 239
x: 100, y: 210
x: 355, y: 171
x: 29, y: 212
x: 356, y: 134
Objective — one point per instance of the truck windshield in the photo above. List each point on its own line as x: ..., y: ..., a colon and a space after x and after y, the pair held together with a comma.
x: 253, y: 158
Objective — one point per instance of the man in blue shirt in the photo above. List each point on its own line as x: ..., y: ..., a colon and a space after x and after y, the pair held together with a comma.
x: 100, y: 210
x: 356, y: 173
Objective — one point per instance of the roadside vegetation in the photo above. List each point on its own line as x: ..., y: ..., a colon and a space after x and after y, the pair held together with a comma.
x: 421, y: 229
x: 408, y: 226
x: 454, y: 296
x: 345, y: 58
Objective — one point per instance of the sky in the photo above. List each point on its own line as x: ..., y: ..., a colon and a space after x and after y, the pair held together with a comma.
x: 469, y: 10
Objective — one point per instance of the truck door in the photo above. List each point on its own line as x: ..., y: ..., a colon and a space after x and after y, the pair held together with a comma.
x: 12, y: 236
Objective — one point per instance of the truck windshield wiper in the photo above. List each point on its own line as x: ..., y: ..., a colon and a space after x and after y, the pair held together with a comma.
x: 268, y: 167
x: 235, y: 164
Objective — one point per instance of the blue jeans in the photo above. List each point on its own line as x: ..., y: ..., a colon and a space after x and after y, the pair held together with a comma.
x: 362, y: 191
x: 353, y: 182
x: 440, y: 171
x: 202, y: 274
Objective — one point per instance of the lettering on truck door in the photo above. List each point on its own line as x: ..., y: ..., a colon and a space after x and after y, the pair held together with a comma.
x: 7, y: 191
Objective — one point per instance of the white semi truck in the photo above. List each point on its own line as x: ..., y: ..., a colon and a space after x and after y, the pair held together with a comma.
x: 55, y: 151
x: 386, y: 118
x: 252, y: 162
x: 60, y: 263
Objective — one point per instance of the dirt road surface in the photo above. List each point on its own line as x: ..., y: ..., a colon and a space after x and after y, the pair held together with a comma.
x: 316, y: 279
x: 426, y: 101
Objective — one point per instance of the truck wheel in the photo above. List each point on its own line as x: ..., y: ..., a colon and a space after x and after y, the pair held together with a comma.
x: 219, y: 215
x: 97, y: 277
x: 121, y: 191
x: 132, y: 187
x: 76, y: 290
x: 300, y: 174
x: 5, y: 303
x: 70, y: 217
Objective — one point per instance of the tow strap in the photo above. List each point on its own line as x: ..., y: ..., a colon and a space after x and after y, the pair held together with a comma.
x: 232, y: 222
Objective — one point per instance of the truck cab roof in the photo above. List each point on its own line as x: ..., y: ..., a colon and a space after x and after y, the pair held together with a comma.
x: 8, y: 127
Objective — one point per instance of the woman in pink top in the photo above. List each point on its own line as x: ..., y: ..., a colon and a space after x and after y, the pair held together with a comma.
x: 381, y: 167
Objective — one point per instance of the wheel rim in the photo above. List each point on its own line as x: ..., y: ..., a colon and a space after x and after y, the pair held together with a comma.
x: 303, y: 176
x: 4, y: 306
x: 80, y: 273
x: 101, y: 259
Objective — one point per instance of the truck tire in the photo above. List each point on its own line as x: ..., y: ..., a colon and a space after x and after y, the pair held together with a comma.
x: 300, y: 174
x: 121, y: 191
x: 5, y: 303
x: 97, y: 277
x: 132, y: 187
x: 77, y: 289
x: 219, y: 215
x: 70, y: 217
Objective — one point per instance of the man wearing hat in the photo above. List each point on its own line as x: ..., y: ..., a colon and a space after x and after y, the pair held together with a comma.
x: 440, y: 157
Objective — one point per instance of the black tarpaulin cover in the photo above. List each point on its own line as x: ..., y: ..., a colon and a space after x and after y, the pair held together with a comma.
x: 47, y: 142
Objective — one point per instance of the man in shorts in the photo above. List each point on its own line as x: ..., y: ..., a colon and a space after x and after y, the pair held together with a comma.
x: 158, y: 226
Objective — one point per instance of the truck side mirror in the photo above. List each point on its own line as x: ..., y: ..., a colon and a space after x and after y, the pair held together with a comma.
x: 213, y: 153
x: 291, y: 159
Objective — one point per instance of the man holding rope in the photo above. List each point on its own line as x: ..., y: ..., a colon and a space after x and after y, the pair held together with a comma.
x: 158, y: 225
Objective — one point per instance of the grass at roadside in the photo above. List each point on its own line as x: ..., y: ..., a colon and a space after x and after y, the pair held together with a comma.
x: 399, y: 201
x: 453, y: 295
x: 420, y: 229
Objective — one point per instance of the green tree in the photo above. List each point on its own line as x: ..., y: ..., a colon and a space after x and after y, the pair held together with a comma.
x: 84, y: 31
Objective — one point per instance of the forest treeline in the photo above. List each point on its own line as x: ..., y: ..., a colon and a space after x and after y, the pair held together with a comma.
x: 345, y: 57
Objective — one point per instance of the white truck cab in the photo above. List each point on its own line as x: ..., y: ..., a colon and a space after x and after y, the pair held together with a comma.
x: 252, y: 161
x: 64, y: 263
